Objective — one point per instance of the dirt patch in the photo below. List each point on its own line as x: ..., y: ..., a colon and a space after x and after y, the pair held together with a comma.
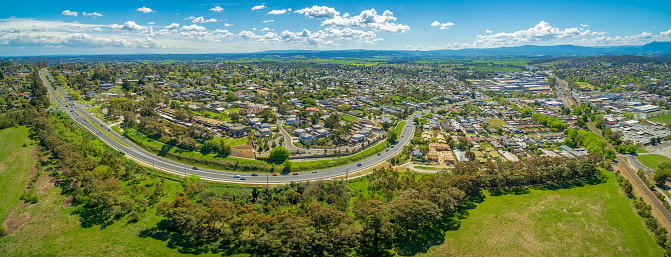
x: 45, y: 183
x: 12, y: 225
x: 69, y: 201
x: 244, y: 151
x: 33, y: 168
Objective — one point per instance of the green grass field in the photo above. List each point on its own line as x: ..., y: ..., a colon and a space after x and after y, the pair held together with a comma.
x: 348, y: 117
x: 652, y: 160
x: 496, y: 122
x: 594, y: 220
x: 497, y: 68
x: 666, y: 119
x: 14, y: 164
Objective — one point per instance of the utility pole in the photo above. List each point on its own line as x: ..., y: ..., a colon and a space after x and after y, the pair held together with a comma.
x: 346, y: 175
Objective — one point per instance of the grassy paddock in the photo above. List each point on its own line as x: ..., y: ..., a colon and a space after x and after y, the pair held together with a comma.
x: 14, y: 164
x: 666, y: 119
x: 591, y: 220
x: 652, y: 160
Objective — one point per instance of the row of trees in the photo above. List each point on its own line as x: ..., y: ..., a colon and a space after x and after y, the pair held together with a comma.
x: 398, y: 211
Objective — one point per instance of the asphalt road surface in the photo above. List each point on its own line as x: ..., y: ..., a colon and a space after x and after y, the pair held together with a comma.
x: 134, y: 152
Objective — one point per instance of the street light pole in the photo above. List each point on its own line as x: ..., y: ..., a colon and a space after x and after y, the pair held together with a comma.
x: 346, y: 175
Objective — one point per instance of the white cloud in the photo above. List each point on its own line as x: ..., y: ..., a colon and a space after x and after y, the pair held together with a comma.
x: 367, y: 37
x: 319, y: 12
x: 442, y: 25
x: 541, y: 32
x: 268, y: 21
x: 217, y: 9
x: 97, y: 29
x: 144, y: 10
x: 368, y: 19
x: 190, y: 18
x: 129, y: 26
x: 488, y: 31
x: 151, y: 23
x: 69, y: 13
x: 584, y: 25
x: 94, y: 14
x: 228, y: 24
x: 265, y: 29
x: 258, y: 7
x: 203, y: 20
x: 253, y: 28
x: 640, y: 39
x: 172, y: 26
x: 278, y: 12
x: 193, y: 27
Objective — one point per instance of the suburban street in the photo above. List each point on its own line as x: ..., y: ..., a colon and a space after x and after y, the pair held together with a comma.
x: 134, y: 152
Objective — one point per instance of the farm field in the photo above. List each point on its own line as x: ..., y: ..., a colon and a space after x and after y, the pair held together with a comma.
x: 581, y: 221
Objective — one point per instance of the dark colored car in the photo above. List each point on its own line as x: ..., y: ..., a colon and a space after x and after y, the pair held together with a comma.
x: 254, y: 174
x: 243, y: 179
x: 195, y: 168
x: 358, y: 165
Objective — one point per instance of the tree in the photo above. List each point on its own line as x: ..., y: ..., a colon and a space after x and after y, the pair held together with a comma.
x: 609, y: 154
x: 235, y: 116
x: 392, y: 136
x: 224, y: 149
x: 279, y: 154
x: 470, y: 155
x: 662, y: 175
x: 188, y: 143
x: 526, y: 112
x: 231, y: 97
x: 287, y: 166
x: 345, y: 107
x: 332, y: 121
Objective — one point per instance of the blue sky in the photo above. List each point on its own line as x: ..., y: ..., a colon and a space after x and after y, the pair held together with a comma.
x: 104, y: 27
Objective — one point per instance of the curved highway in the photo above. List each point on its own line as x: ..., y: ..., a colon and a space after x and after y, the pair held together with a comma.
x: 134, y: 152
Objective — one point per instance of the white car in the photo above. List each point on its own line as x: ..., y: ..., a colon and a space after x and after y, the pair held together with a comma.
x: 236, y: 176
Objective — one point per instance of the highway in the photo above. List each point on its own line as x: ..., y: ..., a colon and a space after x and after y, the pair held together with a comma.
x: 134, y: 152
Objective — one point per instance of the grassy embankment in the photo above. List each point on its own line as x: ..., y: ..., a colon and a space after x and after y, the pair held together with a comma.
x: 14, y: 164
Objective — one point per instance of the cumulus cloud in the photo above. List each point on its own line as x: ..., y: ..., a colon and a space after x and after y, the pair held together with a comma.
x: 265, y: 29
x: 144, y: 9
x: 319, y: 12
x: 584, y: 25
x: 69, y: 13
x: 193, y: 27
x: 368, y: 19
x: 305, y: 37
x: 217, y: 9
x: 129, y: 26
x: 666, y: 33
x: 151, y: 23
x: 488, y: 31
x: 268, y: 21
x: 442, y: 25
x: 203, y: 20
x: 75, y: 39
x: 94, y: 14
x: 172, y: 26
x: 228, y: 24
x: 258, y: 7
x: 278, y: 12
x: 541, y: 32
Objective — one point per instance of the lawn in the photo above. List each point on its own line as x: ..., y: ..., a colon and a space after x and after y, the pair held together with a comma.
x: 592, y: 220
x: 348, y: 117
x: 496, y: 122
x: 666, y: 119
x: 652, y: 160
x: 233, y: 141
x: 497, y: 68
x: 14, y: 164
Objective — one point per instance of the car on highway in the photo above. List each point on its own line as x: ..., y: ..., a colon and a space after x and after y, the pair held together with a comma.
x: 386, y: 150
x: 358, y: 165
x: 195, y: 168
x: 378, y: 154
x: 243, y: 179
x: 295, y: 173
x: 274, y: 175
x: 254, y: 174
x: 236, y: 176
x: 314, y: 171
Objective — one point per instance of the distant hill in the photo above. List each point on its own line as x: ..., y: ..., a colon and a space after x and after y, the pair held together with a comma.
x: 654, y: 48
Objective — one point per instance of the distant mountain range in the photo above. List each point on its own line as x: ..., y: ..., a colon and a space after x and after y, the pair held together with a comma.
x: 654, y: 48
